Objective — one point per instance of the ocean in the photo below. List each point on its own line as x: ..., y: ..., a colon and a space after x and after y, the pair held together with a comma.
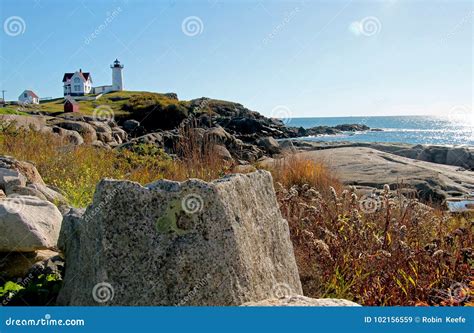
x: 449, y: 130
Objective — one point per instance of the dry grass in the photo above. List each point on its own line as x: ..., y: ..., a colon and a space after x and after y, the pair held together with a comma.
x: 77, y: 169
x: 404, y: 253
x: 296, y: 170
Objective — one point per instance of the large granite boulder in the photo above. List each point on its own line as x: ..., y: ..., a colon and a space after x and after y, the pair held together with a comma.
x: 28, y: 224
x: 178, y: 243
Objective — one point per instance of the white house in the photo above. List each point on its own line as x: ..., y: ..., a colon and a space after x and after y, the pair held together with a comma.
x: 28, y: 97
x: 77, y: 84
x: 80, y: 83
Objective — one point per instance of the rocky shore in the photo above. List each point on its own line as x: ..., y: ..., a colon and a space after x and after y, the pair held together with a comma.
x: 221, y: 242
x: 241, y: 137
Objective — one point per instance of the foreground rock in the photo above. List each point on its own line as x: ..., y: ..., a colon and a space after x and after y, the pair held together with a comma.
x: 373, y: 168
x: 302, y: 301
x: 171, y: 243
x: 28, y: 224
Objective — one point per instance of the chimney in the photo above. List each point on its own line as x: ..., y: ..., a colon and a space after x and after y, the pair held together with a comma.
x: 80, y: 70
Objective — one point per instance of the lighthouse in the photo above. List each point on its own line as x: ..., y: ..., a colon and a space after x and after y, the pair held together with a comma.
x: 117, y: 80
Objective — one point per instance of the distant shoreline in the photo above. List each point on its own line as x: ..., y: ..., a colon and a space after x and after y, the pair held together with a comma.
x: 428, y: 130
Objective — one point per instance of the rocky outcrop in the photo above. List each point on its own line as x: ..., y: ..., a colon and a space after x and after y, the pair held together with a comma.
x: 298, y: 300
x: 188, y: 243
x: 352, y: 127
x: 226, y: 145
x: 461, y: 156
x: 73, y: 129
x: 367, y: 167
x: 25, y: 122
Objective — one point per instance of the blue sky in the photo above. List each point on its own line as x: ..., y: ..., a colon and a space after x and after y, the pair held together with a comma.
x: 311, y: 58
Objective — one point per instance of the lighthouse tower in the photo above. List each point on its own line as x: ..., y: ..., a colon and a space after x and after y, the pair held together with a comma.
x: 117, y: 80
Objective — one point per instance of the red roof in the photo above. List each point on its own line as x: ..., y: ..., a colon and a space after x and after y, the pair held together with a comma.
x: 31, y: 93
x: 68, y: 76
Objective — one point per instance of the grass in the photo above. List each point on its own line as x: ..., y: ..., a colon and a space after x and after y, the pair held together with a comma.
x: 11, y: 110
x: 400, y: 253
x: 117, y: 101
x: 77, y: 169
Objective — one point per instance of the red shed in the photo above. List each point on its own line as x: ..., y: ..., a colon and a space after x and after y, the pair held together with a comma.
x: 70, y: 105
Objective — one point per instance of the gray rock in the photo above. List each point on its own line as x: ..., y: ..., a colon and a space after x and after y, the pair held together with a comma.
x: 50, y: 194
x: 120, y: 134
x: 188, y: 243
x: 269, y: 144
x: 25, y: 190
x: 130, y: 125
x: 69, y: 136
x: 10, y: 178
x: 86, y: 130
x: 462, y: 156
x: 100, y: 126
x: 105, y: 137
x: 299, y: 300
x: 222, y: 153
x: 28, y: 224
x: 26, y: 122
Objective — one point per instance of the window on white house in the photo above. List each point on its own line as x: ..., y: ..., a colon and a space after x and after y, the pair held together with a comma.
x: 77, y: 87
x: 77, y: 80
